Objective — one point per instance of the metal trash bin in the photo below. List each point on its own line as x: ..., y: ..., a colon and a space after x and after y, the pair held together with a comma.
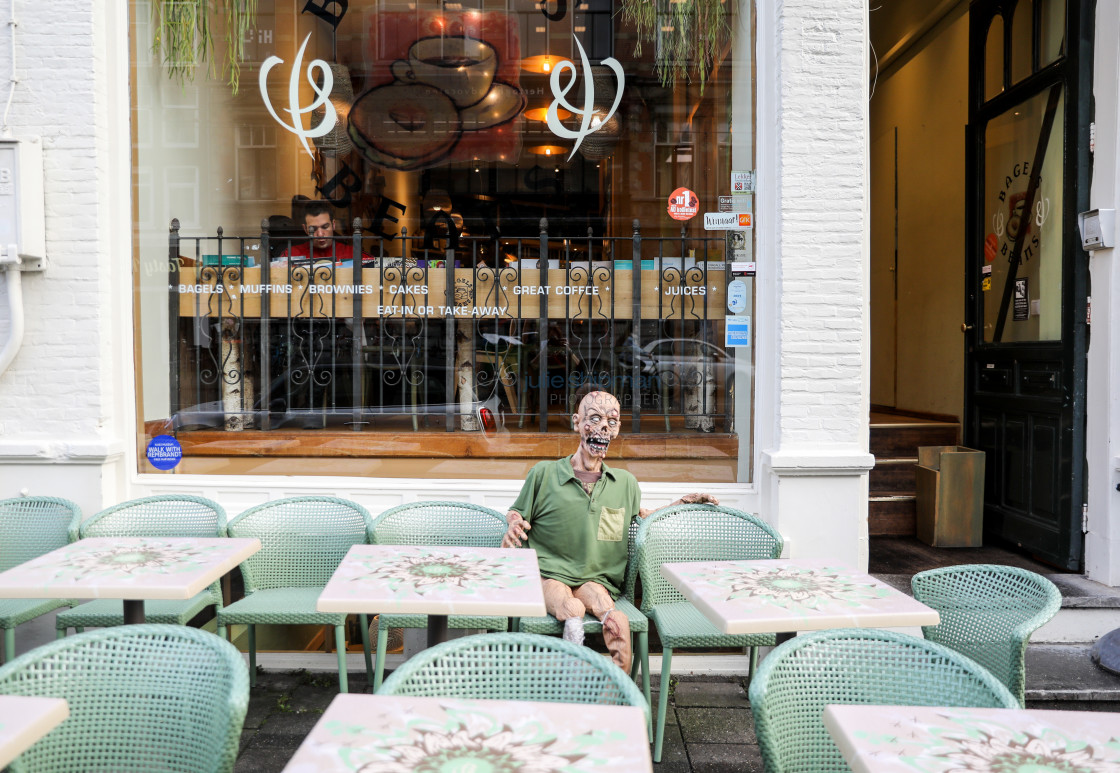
x: 950, y: 487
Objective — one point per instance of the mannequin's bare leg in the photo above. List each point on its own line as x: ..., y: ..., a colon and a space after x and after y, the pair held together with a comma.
x: 616, y: 628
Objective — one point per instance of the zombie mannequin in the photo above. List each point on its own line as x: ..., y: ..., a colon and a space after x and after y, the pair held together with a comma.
x: 575, y: 512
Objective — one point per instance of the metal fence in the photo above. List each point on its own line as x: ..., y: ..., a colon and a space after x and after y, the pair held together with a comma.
x: 485, y: 333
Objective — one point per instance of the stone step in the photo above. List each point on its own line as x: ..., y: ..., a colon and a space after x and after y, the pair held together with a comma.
x: 1061, y: 673
x: 1089, y: 611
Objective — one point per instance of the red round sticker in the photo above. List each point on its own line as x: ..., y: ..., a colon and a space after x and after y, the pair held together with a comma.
x: 991, y: 244
x: 683, y: 204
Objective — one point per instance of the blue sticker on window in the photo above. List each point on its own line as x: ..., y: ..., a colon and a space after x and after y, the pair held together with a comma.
x: 164, y: 452
x: 738, y: 331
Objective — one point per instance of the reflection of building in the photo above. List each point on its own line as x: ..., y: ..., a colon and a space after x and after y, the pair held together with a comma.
x: 789, y: 99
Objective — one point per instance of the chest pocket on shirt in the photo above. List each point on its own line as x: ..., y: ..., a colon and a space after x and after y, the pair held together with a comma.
x: 611, y: 523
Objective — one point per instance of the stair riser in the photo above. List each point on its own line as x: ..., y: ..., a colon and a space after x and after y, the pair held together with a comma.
x: 1076, y: 625
x: 892, y: 518
x: 894, y: 478
x: 903, y: 442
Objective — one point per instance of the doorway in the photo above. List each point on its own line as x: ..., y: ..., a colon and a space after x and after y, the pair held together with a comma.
x: 979, y: 166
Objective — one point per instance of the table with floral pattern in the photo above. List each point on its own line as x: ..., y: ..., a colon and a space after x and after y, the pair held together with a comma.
x: 24, y: 720
x: 436, y: 581
x: 128, y: 568
x: 789, y: 594
x: 398, y: 734
x: 921, y: 739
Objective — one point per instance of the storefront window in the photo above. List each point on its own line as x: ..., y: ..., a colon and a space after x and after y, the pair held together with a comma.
x: 401, y: 237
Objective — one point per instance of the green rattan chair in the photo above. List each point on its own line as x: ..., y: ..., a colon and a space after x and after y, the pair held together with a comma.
x: 854, y: 666
x: 639, y: 623
x: 177, y: 515
x: 988, y: 612
x: 435, y: 523
x: 30, y: 527
x: 303, y: 540
x: 695, y: 533
x: 515, y: 666
x: 142, y: 698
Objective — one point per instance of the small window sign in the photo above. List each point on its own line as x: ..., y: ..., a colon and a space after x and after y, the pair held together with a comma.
x: 742, y: 182
x: 164, y: 452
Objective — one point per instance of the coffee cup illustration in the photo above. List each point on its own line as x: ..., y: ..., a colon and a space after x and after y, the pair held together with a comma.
x: 462, y: 68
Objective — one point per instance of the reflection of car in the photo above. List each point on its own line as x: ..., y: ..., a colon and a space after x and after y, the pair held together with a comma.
x: 686, y: 361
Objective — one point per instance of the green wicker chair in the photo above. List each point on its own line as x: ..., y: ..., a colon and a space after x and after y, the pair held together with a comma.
x: 142, y: 698
x: 435, y: 523
x: 30, y: 527
x: 988, y: 613
x: 515, y: 666
x: 177, y: 515
x: 854, y: 666
x: 303, y: 540
x: 695, y: 533
x: 639, y: 623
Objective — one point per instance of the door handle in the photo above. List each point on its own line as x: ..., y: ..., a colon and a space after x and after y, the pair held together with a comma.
x: 965, y: 327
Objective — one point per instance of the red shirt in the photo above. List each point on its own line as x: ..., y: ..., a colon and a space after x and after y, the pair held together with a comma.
x: 342, y: 252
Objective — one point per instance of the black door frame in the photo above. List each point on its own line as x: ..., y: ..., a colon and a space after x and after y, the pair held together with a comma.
x: 1074, y: 72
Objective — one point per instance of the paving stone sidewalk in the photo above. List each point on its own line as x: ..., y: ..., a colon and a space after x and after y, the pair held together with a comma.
x: 709, y: 728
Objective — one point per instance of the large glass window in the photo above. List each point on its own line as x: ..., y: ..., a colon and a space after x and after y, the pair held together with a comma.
x: 400, y: 238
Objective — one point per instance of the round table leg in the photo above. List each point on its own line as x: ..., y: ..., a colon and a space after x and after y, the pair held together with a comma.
x: 133, y: 612
x: 437, y: 629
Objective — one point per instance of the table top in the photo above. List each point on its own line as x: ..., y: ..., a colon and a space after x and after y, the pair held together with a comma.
x: 403, y: 733
x: 134, y: 568
x: 436, y: 581
x: 792, y: 594
x: 881, y: 739
x: 24, y: 720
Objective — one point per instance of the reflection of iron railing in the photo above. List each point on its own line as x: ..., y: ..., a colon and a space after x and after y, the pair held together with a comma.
x: 447, y: 338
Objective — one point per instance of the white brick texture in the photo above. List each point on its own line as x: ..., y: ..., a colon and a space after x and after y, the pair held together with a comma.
x: 822, y: 127
x: 56, y: 387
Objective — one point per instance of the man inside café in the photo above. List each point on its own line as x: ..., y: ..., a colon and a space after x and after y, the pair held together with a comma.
x: 575, y: 512
x: 320, y: 226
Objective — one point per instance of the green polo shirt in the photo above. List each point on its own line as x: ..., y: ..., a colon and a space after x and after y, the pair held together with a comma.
x: 579, y: 538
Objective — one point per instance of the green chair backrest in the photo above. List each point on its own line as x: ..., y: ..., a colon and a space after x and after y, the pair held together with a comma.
x: 32, y: 526
x: 303, y: 540
x: 172, y: 515
x: 988, y: 613
x: 854, y: 666
x: 141, y: 697
x: 439, y: 523
x: 698, y: 533
x: 628, y: 586
x: 515, y: 666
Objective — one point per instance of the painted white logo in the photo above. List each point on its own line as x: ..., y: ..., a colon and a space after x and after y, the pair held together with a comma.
x: 296, y: 111
x: 1041, y: 211
x: 590, y: 120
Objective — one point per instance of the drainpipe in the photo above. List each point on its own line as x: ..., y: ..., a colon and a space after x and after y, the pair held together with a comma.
x: 10, y: 267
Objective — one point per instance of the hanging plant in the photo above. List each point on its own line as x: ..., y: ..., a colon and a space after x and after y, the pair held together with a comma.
x: 683, y: 31
x: 183, y: 37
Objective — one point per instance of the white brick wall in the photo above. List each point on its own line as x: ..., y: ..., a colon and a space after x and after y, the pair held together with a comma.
x: 813, y: 320
x: 54, y: 388
x: 64, y: 414
x: 822, y: 173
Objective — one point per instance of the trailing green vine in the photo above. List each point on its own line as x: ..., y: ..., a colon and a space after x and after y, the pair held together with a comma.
x: 183, y: 37
x: 682, y: 30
